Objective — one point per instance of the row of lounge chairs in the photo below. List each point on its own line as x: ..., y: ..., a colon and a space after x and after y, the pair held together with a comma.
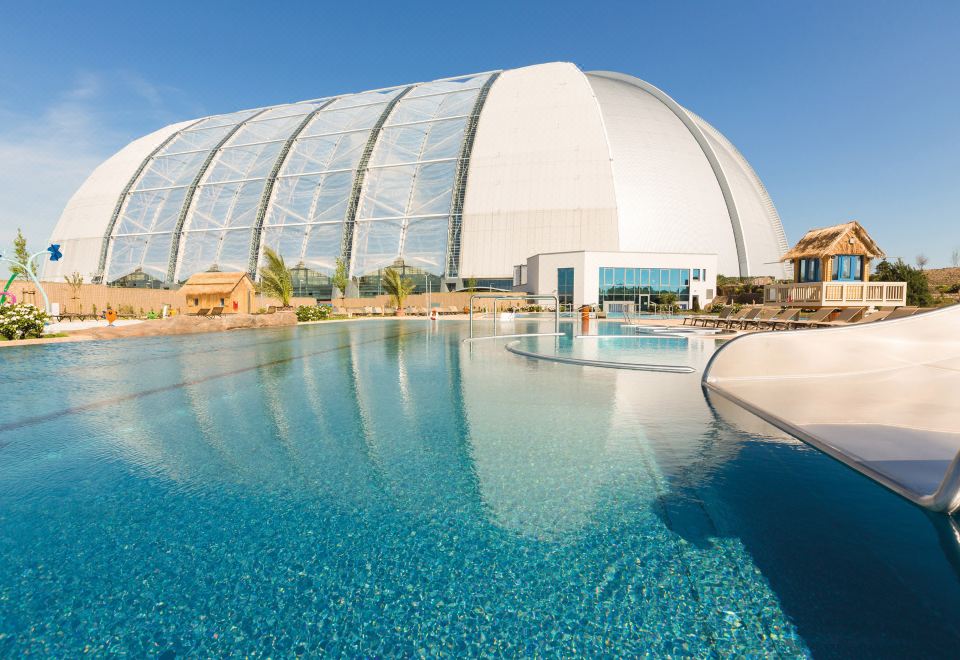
x: 771, y: 318
x: 209, y: 313
x: 390, y: 311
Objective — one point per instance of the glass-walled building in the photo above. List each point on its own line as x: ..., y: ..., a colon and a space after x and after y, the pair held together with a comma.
x: 621, y: 281
x: 455, y: 180
x: 643, y: 286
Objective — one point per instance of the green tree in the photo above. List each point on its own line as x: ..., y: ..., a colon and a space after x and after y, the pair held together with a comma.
x: 21, y: 254
x: 341, y: 278
x: 397, y: 286
x: 275, y: 278
x: 471, y: 284
x: 918, y: 291
x: 668, y: 299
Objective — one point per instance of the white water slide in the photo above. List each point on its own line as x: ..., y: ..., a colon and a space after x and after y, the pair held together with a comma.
x: 883, y: 397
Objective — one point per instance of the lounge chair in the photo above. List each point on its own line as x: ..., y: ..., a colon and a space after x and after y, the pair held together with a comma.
x: 786, y: 318
x: 722, y: 317
x: 901, y: 313
x: 378, y: 311
x: 737, y: 318
x: 847, y: 316
x: 819, y: 317
x: 876, y: 316
x: 724, y: 314
x: 202, y: 312
x: 762, y: 315
x: 216, y: 312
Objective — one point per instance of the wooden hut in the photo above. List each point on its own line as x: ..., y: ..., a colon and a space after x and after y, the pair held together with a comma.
x: 831, y: 266
x: 840, y: 253
x: 231, y: 291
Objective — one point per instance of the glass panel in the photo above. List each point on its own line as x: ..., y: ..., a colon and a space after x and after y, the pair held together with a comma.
x: 323, y: 247
x: 175, y: 170
x: 386, y: 192
x: 130, y: 254
x: 225, y: 205
x: 263, y: 130
x: 332, y: 120
x: 285, y: 241
x: 243, y: 162
x: 455, y: 85
x: 443, y: 140
x: 426, y: 244
x: 432, y: 189
x: 292, y: 109
x: 229, y: 119
x: 365, y: 98
x: 150, y: 211
x: 376, y: 245
x: 205, y: 250
x: 399, y: 145
x: 197, y: 139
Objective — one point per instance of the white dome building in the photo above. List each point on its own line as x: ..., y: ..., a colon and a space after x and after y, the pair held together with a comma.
x: 461, y: 178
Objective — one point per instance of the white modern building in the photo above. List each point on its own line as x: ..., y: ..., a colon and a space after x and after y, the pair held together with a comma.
x: 452, y: 180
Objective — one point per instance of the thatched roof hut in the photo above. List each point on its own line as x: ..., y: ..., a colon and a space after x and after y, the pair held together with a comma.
x: 847, y: 238
x: 232, y: 291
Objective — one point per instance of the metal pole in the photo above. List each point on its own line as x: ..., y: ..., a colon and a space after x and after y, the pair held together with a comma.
x: 471, y: 315
x: 556, y: 314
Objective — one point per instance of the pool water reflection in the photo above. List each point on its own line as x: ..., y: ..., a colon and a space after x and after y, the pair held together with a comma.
x: 381, y: 488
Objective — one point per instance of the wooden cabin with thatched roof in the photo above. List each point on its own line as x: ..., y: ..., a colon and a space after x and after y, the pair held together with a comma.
x: 831, y: 266
x: 233, y: 292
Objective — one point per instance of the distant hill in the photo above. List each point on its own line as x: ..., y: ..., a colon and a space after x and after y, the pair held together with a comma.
x: 945, y: 277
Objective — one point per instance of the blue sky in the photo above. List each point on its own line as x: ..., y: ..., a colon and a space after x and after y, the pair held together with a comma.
x: 846, y: 110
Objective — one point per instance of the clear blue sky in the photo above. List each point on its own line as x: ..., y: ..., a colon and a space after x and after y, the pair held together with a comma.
x: 845, y: 109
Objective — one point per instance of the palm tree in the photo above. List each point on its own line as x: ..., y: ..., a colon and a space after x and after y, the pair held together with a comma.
x: 275, y: 278
x: 397, y: 286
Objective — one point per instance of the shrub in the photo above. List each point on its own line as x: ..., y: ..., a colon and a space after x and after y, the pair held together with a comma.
x: 918, y: 292
x: 716, y: 307
x: 313, y: 313
x: 21, y: 321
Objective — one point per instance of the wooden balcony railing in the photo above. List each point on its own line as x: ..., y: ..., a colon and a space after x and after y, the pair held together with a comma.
x: 839, y: 294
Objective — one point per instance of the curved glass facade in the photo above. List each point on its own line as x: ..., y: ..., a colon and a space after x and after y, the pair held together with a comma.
x: 369, y: 177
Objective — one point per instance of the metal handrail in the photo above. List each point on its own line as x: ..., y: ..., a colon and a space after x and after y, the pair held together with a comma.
x: 497, y: 297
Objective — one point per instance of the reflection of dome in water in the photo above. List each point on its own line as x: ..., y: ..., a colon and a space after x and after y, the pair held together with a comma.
x: 464, y: 177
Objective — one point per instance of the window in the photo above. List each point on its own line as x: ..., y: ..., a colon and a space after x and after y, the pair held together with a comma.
x: 223, y: 303
x: 641, y: 286
x: 196, y: 302
x: 565, y: 287
x: 809, y: 270
x: 696, y: 274
x: 847, y: 267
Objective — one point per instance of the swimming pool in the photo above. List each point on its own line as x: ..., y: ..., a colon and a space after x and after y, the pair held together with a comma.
x: 381, y: 488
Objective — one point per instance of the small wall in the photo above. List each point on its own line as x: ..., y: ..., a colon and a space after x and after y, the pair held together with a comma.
x: 137, y: 299
x: 460, y: 300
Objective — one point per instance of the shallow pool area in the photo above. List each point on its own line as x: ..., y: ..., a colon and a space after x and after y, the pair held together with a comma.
x: 382, y: 488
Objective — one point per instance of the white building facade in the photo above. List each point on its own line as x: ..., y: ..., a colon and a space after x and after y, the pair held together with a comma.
x: 452, y: 180
x: 620, y: 281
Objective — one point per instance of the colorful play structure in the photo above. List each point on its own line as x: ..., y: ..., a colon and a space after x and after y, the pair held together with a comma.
x: 28, y: 267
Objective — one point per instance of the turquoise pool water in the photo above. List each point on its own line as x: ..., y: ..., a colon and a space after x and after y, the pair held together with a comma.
x: 379, y: 488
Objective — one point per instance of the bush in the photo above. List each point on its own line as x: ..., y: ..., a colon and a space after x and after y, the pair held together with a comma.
x: 21, y: 321
x: 313, y: 313
x: 716, y: 308
x: 918, y: 292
